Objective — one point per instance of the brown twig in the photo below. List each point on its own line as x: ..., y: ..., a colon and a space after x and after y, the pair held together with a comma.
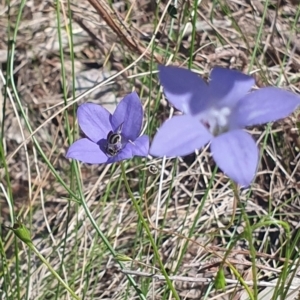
x: 119, y: 27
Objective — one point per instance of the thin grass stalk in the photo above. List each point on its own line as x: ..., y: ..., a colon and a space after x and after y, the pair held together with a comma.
x: 54, y: 273
x: 106, y: 242
x: 147, y: 229
x: 66, y: 119
x: 259, y: 34
x: 191, y: 232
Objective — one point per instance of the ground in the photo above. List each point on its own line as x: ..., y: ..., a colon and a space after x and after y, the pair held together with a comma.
x: 192, y: 221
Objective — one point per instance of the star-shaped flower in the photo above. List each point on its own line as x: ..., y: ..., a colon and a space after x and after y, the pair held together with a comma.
x: 217, y: 112
x: 110, y: 138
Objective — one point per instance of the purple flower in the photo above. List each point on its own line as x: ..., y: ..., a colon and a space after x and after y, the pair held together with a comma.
x: 217, y: 112
x: 110, y: 138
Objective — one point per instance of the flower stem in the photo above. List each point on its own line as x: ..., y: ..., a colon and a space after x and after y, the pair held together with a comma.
x: 146, y: 227
x: 108, y: 245
x: 54, y: 273
x: 23, y: 234
x: 248, y: 231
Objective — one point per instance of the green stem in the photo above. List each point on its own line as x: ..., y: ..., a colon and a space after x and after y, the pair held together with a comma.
x: 41, y: 257
x: 19, y: 103
x: 106, y: 242
x: 145, y: 225
x: 248, y: 231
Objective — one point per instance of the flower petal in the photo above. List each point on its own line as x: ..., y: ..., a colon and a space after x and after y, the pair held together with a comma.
x: 179, y: 136
x: 264, y: 105
x: 140, y: 147
x: 236, y: 153
x: 94, y: 121
x: 86, y: 151
x: 129, y: 112
x: 227, y: 86
x: 184, y: 89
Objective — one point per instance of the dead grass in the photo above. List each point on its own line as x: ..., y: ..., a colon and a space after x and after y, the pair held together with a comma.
x: 229, y: 41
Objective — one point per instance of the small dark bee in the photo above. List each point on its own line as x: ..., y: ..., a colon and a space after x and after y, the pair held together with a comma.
x: 114, y: 142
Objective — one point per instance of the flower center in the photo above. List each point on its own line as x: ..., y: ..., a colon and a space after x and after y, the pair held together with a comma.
x: 216, y: 120
x: 114, y: 143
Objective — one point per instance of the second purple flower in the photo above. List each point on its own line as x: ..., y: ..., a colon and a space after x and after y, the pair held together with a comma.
x: 217, y: 112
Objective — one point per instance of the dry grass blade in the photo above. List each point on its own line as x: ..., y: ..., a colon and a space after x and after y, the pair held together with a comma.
x: 119, y: 27
x: 115, y: 47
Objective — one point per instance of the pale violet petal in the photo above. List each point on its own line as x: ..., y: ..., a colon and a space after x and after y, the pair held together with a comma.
x: 140, y: 147
x: 227, y: 86
x: 184, y: 89
x: 263, y: 106
x: 179, y: 136
x: 94, y: 121
x: 236, y: 154
x: 129, y: 115
x: 86, y: 151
